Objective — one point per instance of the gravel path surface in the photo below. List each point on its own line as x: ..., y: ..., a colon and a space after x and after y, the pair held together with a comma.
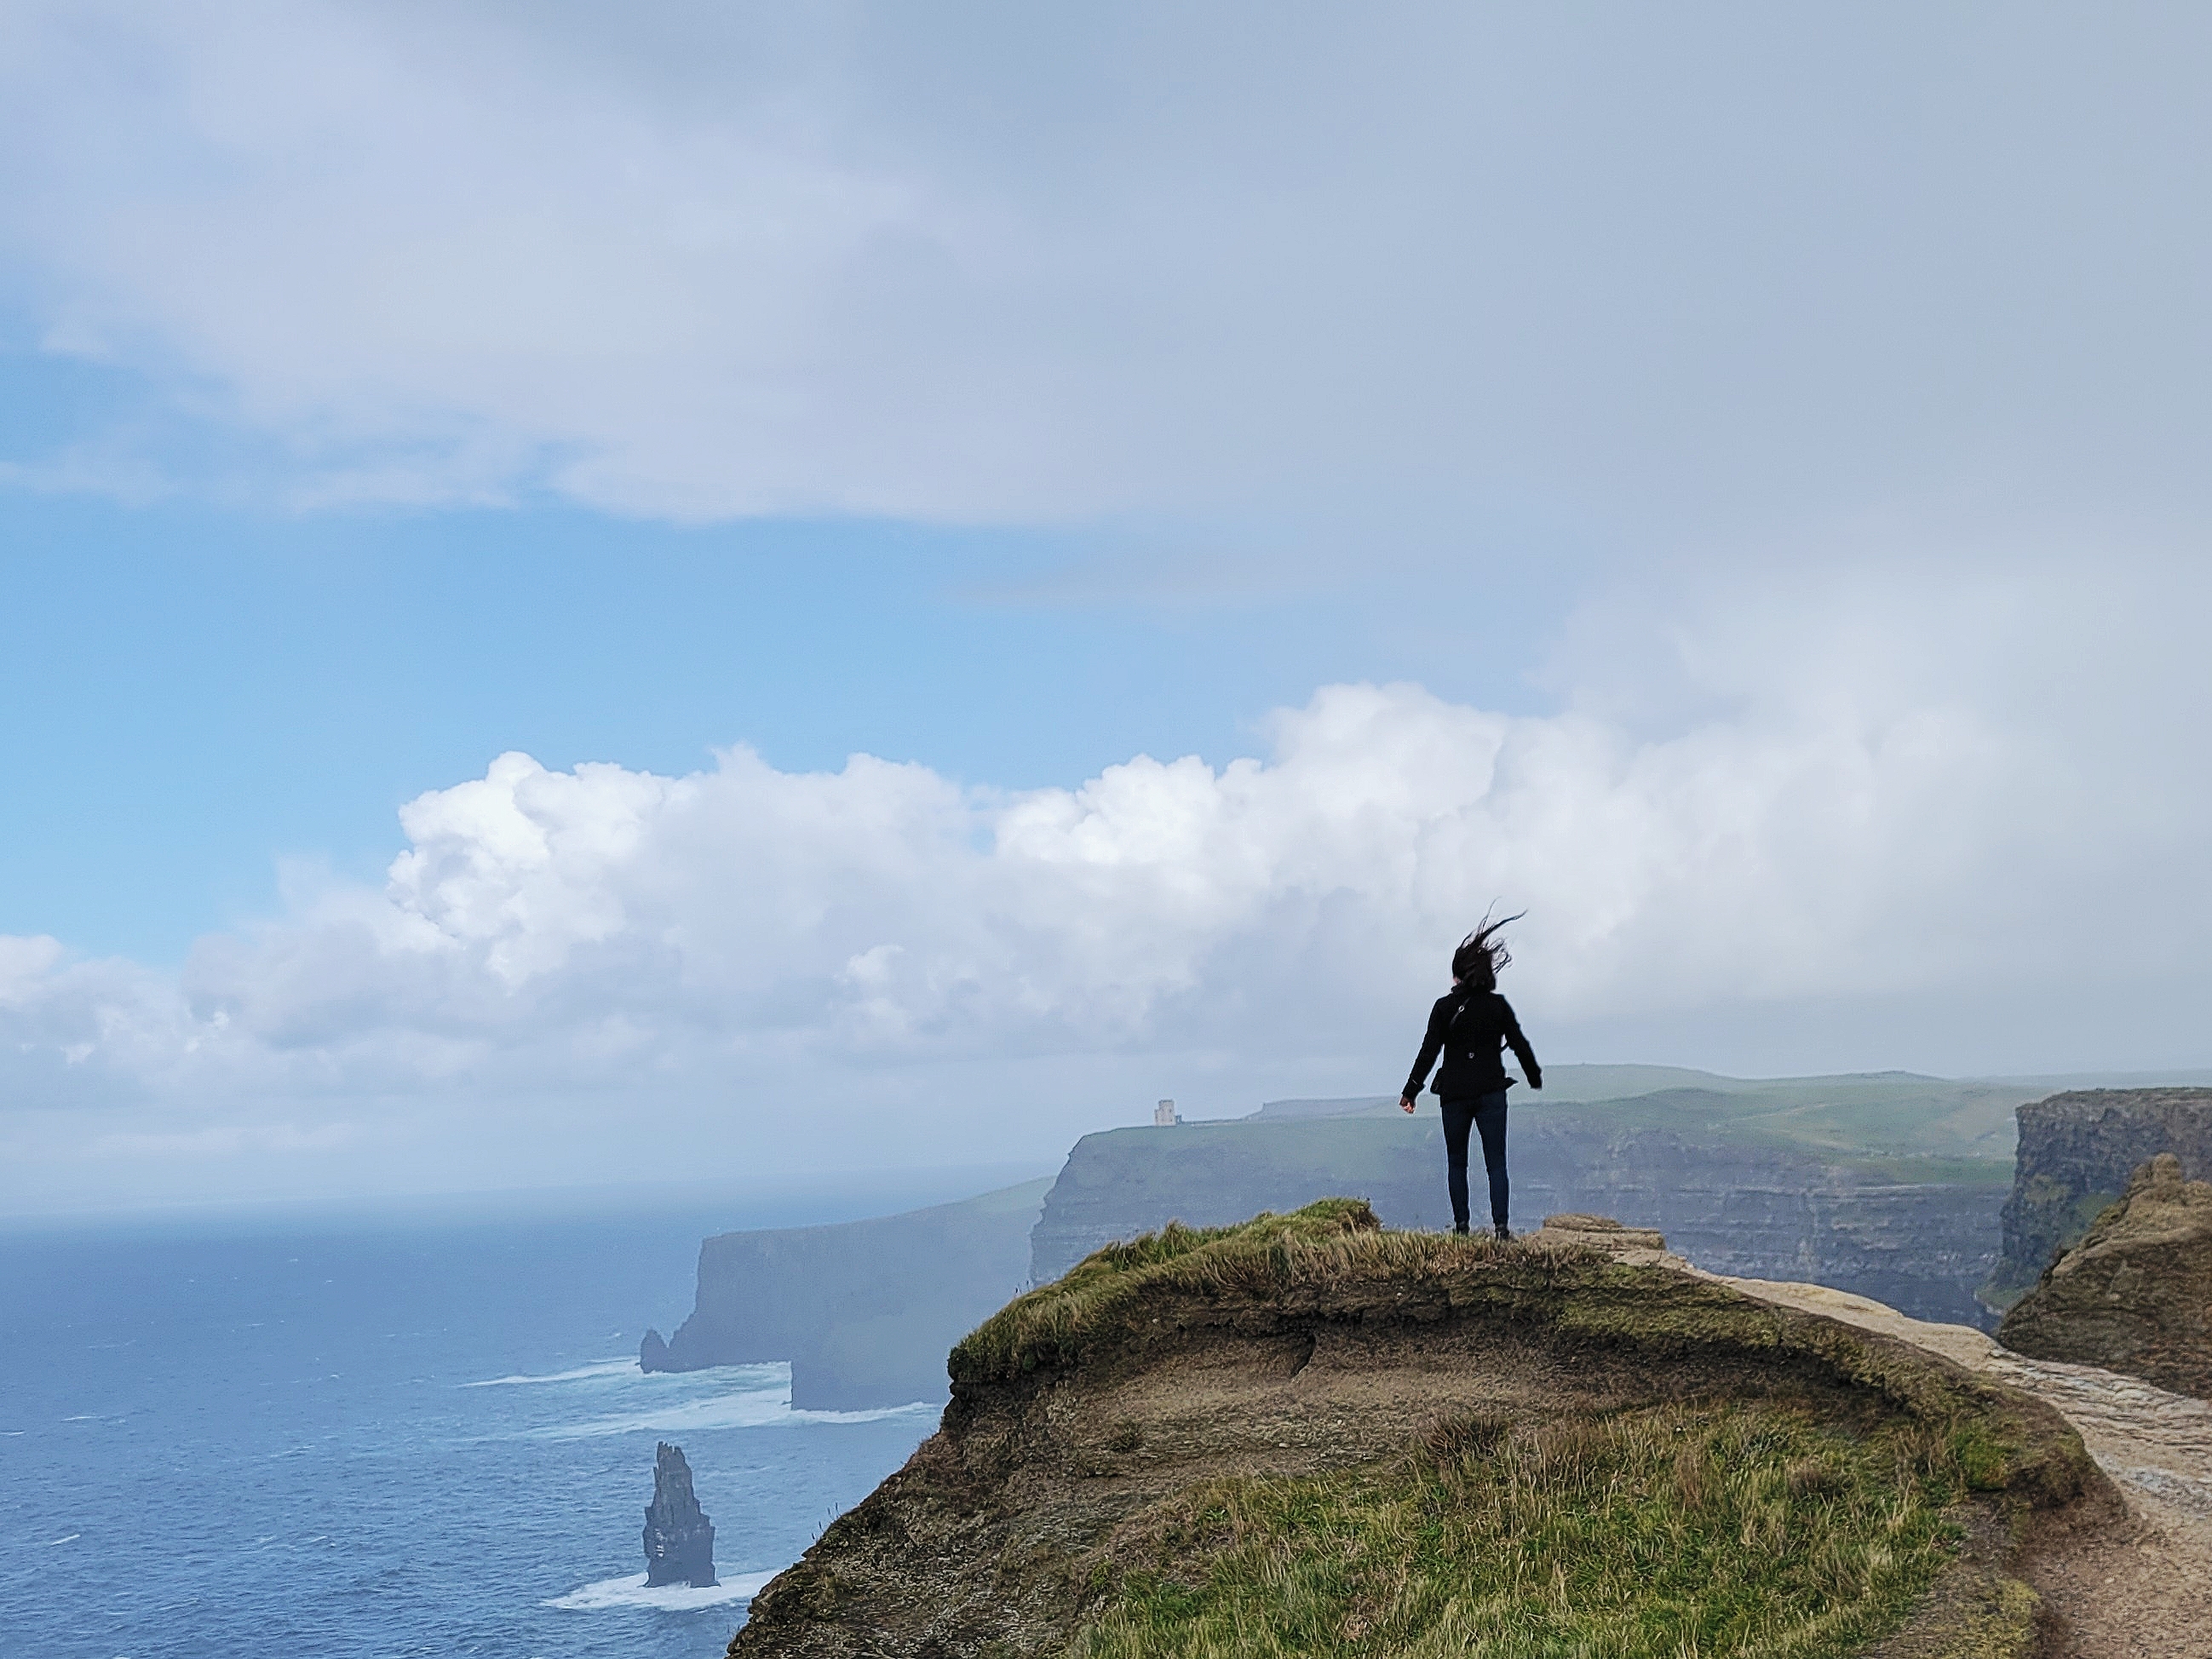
x: 2140, y: 1587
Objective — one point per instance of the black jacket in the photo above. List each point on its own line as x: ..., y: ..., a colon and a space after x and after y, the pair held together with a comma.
x: 1471, y: 1027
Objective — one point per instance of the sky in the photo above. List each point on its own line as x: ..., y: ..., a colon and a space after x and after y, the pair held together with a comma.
x: 588, y: 593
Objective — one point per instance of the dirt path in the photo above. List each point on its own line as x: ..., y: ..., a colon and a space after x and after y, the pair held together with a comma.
x: 2140, y: 1588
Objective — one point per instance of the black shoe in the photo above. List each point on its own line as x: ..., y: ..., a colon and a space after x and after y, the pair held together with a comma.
x: 1504, y: 1234
x: 1458, y: 1228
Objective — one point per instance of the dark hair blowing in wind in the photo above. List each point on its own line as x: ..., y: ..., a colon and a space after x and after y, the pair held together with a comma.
x: 1482, y: 954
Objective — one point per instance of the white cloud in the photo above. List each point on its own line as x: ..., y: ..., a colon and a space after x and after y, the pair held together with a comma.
x: 1474, y: 283
x: 1624, y: 279
x: 1945, y: 819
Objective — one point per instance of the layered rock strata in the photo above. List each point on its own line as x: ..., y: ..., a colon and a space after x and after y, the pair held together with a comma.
x: 1597, y: 1232
x: 679, y: 1539
x: 2135, y: 1294
x: 1918, y: 1244
x: 2075, y: 1154
x: 863, y: 1311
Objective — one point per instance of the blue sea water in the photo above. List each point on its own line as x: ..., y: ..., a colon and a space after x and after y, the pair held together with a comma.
x: 427, y: 1436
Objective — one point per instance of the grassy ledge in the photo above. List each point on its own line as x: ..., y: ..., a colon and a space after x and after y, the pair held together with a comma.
x: 1055, y: 1323
x: 1706, y: 1526
x: 1337, y: 1245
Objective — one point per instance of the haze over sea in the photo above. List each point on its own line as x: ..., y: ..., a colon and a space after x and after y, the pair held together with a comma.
x: 417, y: 1435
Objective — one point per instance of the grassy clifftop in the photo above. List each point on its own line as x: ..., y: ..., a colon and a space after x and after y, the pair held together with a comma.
x: 1868, y: 1117
x: 1306, y: 1434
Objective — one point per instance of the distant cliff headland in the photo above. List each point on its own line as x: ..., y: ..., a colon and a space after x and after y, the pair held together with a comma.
x: 863, y: 1311
x: 1890, y: 1186
x: 1917, y: 1233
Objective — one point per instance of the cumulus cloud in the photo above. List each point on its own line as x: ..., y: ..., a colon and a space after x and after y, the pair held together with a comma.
x: 1949, y: 821
x: 1673, y: 271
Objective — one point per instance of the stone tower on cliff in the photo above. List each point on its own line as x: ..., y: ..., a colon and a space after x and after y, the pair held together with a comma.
x: 679, y: 1539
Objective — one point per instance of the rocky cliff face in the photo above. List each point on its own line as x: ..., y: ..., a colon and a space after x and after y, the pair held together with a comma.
x: 865, y: 1311
x: 2135, y: 1294
x: 679, y: 1540
x: 1117, y: 1441
x: 2075, y: 1155
x: 1918, y: 1244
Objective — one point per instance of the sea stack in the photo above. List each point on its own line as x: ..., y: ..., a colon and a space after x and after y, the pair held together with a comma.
x: 679, y: 1540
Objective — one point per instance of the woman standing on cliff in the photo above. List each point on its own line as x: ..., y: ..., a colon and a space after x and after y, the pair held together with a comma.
x: 1469, y: 1026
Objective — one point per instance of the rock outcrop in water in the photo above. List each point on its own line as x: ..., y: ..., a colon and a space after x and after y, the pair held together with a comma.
x: 2135, y: 1294
x: 2075, y: 1154
x: 1116, y: 1441
x: 679, y: 1539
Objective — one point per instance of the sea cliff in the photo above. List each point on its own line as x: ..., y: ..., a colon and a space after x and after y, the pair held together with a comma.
x: 1919, y: 1234
x: 2076, y: 1153
x: 2135, y: 1294
x: 1887, y: 1185
x: 865, y: 1310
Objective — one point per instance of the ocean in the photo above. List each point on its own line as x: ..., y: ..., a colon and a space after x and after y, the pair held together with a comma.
x: 415, y: 1436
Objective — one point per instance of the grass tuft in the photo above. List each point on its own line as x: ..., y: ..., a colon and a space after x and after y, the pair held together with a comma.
x: 1334, y: 1238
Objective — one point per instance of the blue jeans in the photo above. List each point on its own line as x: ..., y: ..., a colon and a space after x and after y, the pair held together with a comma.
x: 1487, y: 1114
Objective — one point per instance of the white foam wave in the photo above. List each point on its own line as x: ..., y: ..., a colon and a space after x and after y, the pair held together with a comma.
x: 728, y: 1397
x: 631, y: 1592
x: 754, y: 1408
x: 55, y: 1543
x: 912, y: 1408
x: 597, y: 1368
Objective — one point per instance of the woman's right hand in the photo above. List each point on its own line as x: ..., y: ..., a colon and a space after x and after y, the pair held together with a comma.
x: 1405, y: 1103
